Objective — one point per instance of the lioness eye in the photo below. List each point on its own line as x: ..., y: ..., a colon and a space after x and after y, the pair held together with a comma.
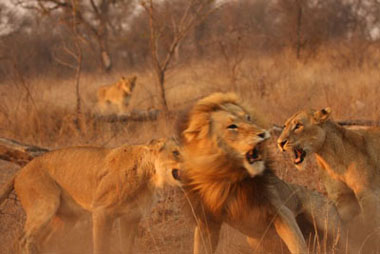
x: 232, y: 126
x: 175, y: 153
x: 248, y: 117
x: 298, y: 125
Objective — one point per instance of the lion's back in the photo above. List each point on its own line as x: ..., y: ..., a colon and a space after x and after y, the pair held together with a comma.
x: 72, y: 169
x: 110, y: 93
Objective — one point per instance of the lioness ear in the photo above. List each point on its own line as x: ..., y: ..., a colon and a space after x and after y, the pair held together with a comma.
x: 132, y: 81
x: 158, y: 143
x: 132, y: 78
x: 322, y: 115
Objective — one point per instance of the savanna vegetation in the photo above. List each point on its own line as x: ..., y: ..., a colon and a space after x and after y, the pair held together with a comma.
x: 280, y: 56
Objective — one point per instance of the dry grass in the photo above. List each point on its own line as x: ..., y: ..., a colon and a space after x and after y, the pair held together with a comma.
x: 42, y: 112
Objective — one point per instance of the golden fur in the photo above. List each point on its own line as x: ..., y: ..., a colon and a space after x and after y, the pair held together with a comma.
x: 107, y: 184
x: 227, y: 177
x: 117, y: 94
x: 349, y: 157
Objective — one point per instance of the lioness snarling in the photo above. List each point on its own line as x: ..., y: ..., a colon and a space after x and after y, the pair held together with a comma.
x: 107, y: 184
x: 350, y: 158
x: 228, y: 178
x: 117, y: 94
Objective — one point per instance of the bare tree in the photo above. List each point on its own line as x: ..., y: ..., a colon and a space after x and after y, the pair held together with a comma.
x: 195, y: 11
x: 293, y: 13
x: 74, y: 53
x: 94, y: 19
x: 9, y: 20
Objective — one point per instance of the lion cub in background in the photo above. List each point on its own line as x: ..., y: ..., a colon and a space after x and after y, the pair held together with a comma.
x: 117, y: 94
x: 67, y: 184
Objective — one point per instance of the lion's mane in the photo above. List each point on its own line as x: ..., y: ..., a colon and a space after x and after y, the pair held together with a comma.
x: 215, y: 175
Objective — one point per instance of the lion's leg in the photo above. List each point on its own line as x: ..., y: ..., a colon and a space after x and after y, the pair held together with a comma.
x: 123, y: 107
x: 206, y: 237
x: 102, y: 226
x: 370, y: 204
x: 128, y: 231
x: 287, y: 228
x: 40, y: 198
x: 102, y: 106
x: 37, y: 219
x: 268, y: 245
x: 321, y: 215
x: 343, y: 197
x: 59, y: 226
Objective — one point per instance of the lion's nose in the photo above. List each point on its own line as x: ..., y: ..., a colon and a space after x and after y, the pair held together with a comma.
x: 264, y: 135
x: 281, y: 144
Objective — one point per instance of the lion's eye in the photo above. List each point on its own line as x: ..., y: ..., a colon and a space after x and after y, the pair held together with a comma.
x: 248, y: 117
x: 232, y: 126
x: 298, y: 125
x: 175, y: 153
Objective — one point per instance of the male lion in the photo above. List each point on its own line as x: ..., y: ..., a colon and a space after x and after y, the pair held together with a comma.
x: 67, y: 184
x: 117, y: 94
x: 350, y: 158
x: 228, y: 178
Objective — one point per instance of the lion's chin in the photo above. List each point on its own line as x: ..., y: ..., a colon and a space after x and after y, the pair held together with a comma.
x: 253, y: 162
x: 257, y: 168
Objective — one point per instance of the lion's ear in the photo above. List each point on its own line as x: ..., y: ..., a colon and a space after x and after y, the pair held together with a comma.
x: 195, y: 131
x: 322, y: 115
x: 189, y: 135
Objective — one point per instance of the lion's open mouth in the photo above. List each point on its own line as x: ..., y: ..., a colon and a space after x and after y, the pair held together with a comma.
x: 299, y: 155
x: 253, y: 155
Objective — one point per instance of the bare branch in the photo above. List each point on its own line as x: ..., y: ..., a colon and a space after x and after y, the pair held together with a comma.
x: 17, y: 152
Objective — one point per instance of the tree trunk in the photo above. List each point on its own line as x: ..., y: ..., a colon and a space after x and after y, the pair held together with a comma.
x: 105, y: 56
x: 161, y: 83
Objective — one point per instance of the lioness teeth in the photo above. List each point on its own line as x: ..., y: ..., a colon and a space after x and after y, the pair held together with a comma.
x: 299, y: 155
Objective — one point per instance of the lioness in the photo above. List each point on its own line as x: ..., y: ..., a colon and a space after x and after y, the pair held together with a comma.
x: 117, y: 94
x: 67, y: 184
x: 350, y: 157
x: 228, y: 178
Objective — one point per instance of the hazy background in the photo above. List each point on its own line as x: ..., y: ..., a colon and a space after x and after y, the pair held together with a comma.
x: 279, y: 55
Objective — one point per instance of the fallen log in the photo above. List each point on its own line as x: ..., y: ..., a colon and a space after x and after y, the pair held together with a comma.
x: 135, y: 115
x: 17, y: 152
x: 364, y: 123
x: 20, y: 153
x: 277, y: 129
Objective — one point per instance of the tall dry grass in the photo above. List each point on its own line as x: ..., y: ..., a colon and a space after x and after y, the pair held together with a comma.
x: 41, y: 111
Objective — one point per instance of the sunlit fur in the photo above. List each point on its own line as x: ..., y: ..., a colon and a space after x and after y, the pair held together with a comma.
x: 221, y: 189
x: 108, y: 184
x: 349, y: 158
x: 116, y: 95
x: 211, y: 162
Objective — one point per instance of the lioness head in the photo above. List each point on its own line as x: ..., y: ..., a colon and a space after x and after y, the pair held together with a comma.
x: 303, y: 134
x: 219, y: 128
x: 168, y: 161
x: 127, y: 84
